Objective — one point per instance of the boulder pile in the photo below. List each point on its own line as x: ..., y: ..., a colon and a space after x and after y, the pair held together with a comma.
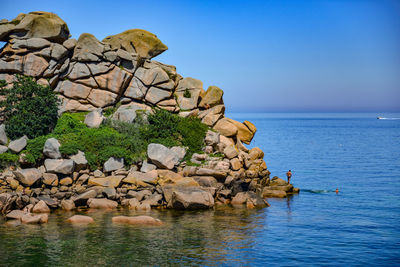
x: 92, y: 75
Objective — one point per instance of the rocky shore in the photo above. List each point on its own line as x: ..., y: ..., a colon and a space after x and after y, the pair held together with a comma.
x: 118, y: 73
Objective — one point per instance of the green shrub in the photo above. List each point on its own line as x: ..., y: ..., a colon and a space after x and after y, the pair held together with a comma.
x: 7, y: 159
x: 28, y: 108
x: 34, y: 149
x: 109, y: 111
x: 172, y: 130
x: 119, y: 139
x: 187, y: 94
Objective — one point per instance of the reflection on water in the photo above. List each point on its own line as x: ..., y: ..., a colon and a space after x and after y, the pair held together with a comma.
x: 197, y: 237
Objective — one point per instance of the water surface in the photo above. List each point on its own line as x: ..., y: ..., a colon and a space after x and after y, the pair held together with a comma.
x: 356, y: 153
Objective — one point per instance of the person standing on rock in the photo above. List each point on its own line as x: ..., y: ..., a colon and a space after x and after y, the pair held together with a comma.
x: 289, y: 175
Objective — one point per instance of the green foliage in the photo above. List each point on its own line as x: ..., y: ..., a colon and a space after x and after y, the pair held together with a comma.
x: 190, y: 163
x: 28, y: 108
x: 120, y: 139
x: 7, y: 159
x: 172, y: 130
x: 109, y: 111
x: 34, y: 149
x: 69, y: 123
x: 187, y: 93
x: 217, y: 155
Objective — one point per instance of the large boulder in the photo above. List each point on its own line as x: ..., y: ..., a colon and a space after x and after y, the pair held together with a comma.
x: 110, y: 181
x: 191, y: 198
x: 169, y: 178
x: 153, y: 76
x: 188, y: 92
x: 74, y: 90
x: 18, y: 145
x: 28, y: 176
x: 50, y: 179
x: 231, y: 152
x: 34, y: 219
x: 94, y: 118
x: 146, y: 167
x: 244, y: 133
x: 101, y: 98
x: 35, y: 24
x: 88, y: 48
x: 212, y: 138
x: 6, y: 202
x: 212, y: 97
x: 15, y: 214
x: 136, y: 177
x: 113, y: 164
x: 63, y: 166
x: 101, y: 203
x: 143, y: 43
x: 256, y: 153
x: 125, y: 114
x: 3, y: 149
x: 250, y: 199
x: 225, y: 127
x: 80, y: 160
x: 81, y: 200
x: 3, y: 135
x: 162, y: 156
x: 155, y: 95
x: 114, y: 80
x: 41, y: 207
x: 137, y: 220
x: 67, y: 204
x: 267, y: 193
x: 52, y: 148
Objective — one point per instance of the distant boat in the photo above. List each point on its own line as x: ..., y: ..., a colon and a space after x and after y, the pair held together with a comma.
x: 381, y: 118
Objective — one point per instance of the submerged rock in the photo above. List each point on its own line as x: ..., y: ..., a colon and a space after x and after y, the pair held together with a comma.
x: 80, y: 219
x: 137, y: 220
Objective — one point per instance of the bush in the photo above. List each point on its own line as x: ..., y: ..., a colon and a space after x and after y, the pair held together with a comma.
x: 7, y: 159
x: 120, y: 139
x: 34, y: 149
x: 172, y: 130
x: 29, y: 108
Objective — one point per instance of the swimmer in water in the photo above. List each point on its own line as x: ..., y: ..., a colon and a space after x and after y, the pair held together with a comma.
x: 337, y: 190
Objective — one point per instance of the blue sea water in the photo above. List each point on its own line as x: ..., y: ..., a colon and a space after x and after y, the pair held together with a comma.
x: 355, y: 153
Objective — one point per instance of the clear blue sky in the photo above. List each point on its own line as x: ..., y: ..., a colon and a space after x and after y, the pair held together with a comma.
x: 266, y: 55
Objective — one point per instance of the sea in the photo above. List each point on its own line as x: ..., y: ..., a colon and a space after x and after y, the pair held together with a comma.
x: 359, y: 226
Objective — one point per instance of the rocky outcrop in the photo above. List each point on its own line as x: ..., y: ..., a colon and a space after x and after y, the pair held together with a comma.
x: 92, y: 75
x: 37, y: 24
x: 143, y: 43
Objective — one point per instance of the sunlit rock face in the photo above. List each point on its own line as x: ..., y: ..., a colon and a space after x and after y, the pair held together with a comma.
x: 118, y: 72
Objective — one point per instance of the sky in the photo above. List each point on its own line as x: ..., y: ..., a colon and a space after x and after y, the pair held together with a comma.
x: 267, y: 56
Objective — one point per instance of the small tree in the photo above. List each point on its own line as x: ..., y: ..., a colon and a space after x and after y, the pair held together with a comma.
x: 28, y: 108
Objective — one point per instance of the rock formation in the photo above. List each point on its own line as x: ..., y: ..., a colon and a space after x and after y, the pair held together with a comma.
x: 93, y: 75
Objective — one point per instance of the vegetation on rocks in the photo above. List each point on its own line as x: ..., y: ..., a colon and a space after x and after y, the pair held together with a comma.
x: 7, y: 159
x: 119, y: 139
x: 28, y: 108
